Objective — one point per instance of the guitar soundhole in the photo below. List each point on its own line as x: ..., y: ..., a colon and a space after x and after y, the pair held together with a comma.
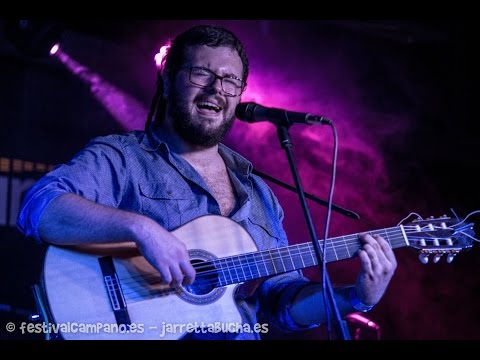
x: 205, y: 289
x: 205, y: 280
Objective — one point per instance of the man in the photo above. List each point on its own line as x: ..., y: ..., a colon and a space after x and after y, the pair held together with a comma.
x: 141, y: 186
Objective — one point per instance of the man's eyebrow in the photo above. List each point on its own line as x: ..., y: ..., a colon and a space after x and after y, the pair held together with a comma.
x: 232, y: 75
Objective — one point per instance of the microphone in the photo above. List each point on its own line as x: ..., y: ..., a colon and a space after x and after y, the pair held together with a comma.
x: 252, y: 112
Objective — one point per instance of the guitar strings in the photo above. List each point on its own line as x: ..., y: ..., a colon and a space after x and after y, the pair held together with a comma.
x: 212, y: 276
x: 342, y: 242
x: 276, y: 251
x: 211, y: 270
x: 273, y: 254
x: 280, y: 253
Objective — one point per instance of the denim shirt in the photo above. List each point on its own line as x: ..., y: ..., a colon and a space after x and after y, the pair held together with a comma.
x: 137, y: 172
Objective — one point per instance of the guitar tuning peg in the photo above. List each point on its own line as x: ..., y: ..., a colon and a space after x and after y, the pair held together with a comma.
x: 423, y: 258
x: 450, y: 258
x: 437, y: 257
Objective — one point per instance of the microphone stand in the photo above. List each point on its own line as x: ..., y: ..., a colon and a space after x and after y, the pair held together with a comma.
x: 286, y: 143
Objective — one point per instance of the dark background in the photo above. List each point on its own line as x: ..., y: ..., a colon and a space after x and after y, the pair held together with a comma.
x: 399, y: 91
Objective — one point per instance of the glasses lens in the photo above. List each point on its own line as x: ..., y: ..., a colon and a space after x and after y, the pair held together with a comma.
x: 232, y: 86
x: 204, y: 77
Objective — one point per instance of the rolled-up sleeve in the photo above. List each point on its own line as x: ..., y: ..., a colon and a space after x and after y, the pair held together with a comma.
x: 276, y: 296
x: 96, y: 173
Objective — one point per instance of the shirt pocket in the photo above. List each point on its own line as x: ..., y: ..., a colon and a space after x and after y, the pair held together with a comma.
x: 165, y: 203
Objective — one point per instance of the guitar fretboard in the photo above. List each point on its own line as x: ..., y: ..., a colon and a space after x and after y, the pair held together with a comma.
x: 250, y: 266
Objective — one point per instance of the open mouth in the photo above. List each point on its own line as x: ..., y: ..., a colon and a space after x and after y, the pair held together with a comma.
x: 209, y: 107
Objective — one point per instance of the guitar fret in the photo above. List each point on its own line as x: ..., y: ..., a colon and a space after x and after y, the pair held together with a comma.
x: 254, y: 262
x: 229, y: 270
x: 224, y: 270
x: 387, y: 237
x: 255, y: 255
x: 346, y: 247
x: 355, y: 243
x: 273, y: 263
x: 265, y: 264
x: 218, y: 265
x: 248, y: 268
x: 301, y: 257
x: 307, y: 251
x: 291, y: 260
x: 333, y: 247
x: 241, y: 268
x: 310, y: 250
x: 256, y: 268
x: 331, y: 256
x: 281, y: 259
x: 234, y: 267
x: 251, y: 266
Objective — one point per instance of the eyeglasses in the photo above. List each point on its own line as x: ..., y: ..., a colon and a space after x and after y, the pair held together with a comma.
x: 203, y: 77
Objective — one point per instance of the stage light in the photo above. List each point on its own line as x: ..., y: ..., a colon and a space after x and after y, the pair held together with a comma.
x: 55, y: 48
x: 33, y: 38
x: 160, y: 57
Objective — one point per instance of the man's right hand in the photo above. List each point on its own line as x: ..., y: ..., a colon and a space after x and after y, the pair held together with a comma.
x: 166, y: 253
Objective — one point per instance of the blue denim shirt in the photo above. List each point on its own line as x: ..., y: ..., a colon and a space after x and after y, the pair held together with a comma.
x: 137, y: 172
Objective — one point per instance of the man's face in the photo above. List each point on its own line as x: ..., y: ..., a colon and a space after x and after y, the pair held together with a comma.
x: 202, y: 115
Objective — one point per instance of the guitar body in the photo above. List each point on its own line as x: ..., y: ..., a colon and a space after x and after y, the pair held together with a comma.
x: 77, y: 296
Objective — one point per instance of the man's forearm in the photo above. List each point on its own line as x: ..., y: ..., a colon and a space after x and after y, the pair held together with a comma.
x: 308, y: 306
x: 72, y: 220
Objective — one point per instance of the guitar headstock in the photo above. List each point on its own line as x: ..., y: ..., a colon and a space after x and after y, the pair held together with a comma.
x: 438, y: 237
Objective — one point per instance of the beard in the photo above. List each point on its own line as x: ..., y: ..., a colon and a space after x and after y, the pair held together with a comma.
x: 195, y: 132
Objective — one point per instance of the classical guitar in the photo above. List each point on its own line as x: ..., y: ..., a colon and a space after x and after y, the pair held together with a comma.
x: 107, y: 292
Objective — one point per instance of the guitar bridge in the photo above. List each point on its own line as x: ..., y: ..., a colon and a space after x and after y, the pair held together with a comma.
x: 114, y: 290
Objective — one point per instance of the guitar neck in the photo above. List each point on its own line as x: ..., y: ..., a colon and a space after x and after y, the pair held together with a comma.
x: 250, y: 266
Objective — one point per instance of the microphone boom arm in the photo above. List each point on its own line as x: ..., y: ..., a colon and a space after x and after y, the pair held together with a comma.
x: 339, y: 209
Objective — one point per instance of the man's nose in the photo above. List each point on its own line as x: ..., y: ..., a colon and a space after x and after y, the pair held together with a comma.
x: 217, y: 85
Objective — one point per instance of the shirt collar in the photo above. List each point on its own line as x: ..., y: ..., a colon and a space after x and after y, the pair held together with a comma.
x: 152, y: 139
x: 234, y: 160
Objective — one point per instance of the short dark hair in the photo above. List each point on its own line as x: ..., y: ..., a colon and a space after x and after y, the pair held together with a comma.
x: 213, y: 36
x: 209, y: 35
